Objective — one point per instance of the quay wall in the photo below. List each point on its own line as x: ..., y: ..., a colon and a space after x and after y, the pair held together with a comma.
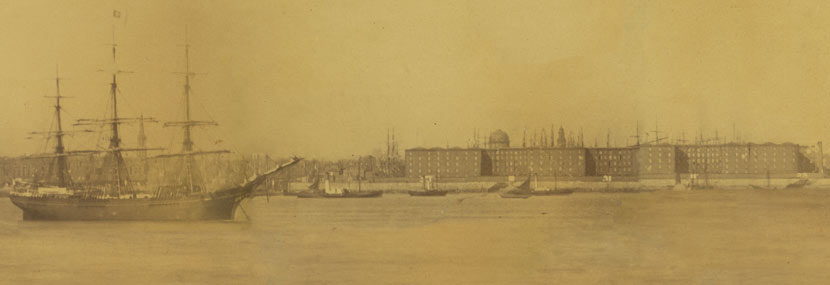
x: 582, y: 186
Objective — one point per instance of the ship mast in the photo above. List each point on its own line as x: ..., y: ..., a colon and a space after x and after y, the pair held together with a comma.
x: 187, y: 144
x: 114, y: 164
x: 114, y: 156
x: 115, y: 140
x: 187, y: 126
x: 58, y: 168
x: 62, y: 171
x: 142, y: 143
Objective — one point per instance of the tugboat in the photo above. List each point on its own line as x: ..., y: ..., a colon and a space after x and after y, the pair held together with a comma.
x: 429, y: 189
x: 111, y: 195
x: 330, y: 191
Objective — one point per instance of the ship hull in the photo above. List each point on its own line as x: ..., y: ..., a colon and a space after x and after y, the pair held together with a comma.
x: 559, y: 192
x: 428, y: 193
x: 515, y: 195
x: 370, y: 194
x: 218, y: 206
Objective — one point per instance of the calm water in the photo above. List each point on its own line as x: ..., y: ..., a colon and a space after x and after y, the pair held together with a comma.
x: 701, y: 237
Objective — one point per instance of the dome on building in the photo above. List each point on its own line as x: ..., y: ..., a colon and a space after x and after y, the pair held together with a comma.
x: 499, y: 139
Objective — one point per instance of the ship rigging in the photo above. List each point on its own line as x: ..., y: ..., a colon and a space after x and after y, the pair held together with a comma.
x: 112, y: 178
x: 111, y: 195
x: 190, y: 177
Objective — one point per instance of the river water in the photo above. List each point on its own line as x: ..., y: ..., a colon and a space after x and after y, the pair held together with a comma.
x: 690, y: 237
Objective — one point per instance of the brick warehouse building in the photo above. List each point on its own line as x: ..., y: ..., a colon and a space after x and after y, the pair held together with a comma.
x: 656, y: 160
x: 443, y: 162
x: 645, y: 161
x: 737, y: 159
x: 611, y: 161
x: 542, y: 161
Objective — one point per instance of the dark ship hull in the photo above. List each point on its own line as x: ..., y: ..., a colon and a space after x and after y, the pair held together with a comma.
x: 515, y: 195
x: 219, y: 205
x: 798, y: 184
x: 559, y: 192
x: 197, y: 207
x: 368, y: 194
x: 428, y: 193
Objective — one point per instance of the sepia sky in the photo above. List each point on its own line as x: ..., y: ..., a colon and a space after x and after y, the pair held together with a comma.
x: 326, y: 79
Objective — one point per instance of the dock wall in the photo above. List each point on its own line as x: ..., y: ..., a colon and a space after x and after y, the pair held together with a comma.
x: 585, y: 186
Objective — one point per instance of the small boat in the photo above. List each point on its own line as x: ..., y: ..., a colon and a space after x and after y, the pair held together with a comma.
x: 515, y: 195
x: 429, y: 189
x: 701, y: 187
x: 756, y: 187
x: 344, y: 194
x: 798, y: 184
x: 628, y: 190
x: 428, y: 193
x: 552, y: 192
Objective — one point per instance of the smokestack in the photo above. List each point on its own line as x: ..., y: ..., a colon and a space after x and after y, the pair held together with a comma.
x: 608, y: 139
x: 581, y: 138
x: 533, y: 142
x: 820, y: 160
x: 552, y: 136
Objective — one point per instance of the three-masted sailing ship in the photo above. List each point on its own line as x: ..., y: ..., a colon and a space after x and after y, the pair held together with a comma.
x: 110, y: 194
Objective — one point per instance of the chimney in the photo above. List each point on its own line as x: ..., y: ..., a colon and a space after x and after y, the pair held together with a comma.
x: 820, y: 159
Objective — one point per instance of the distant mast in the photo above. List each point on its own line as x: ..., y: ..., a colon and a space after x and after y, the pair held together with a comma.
x: 142, y: 143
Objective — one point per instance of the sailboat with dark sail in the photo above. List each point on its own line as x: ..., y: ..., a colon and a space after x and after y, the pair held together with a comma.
x: 110, y: 195
x: 523, y: 191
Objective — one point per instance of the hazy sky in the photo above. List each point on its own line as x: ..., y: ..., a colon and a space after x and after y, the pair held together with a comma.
x: 328, y: 78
